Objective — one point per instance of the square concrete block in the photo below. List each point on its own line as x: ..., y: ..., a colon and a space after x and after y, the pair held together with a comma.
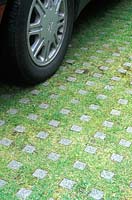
x: 75, y: 101
x: 85, y: 118
x: 79, y: 71
x: 65, y: 141
x: 44, y: 106
x: 12, y: 111
x: 91, y: 149
x: 2, y: 183
x: 108, y: 124
x: 40, y: 174
x: 125, y: 143
x: 104, y: 68
x: 94, y: 107
x: 76, y: 128
x: 96, y: 194
x: 6, y: 142
x: 33, y: 117
x: 54, y: 123
x: 2, y: 122
x: 116, y: 157
x: 23, y: 193
x: 15, y: 165
x: 129, y: 129
x: 42, y: 135
x: 101, y: 97
x: 24, y: 100
x: 123, y: 101
x: 115, y: 112
x: 109, y: 87
x: 79, y: 165
x: 68, y: 184
x: 90, y: 83
x: 71, y: 79
x: 100, y: 135
x: 29, y: 149
x: 53, y: 156
x: 108, y: 175
x: 35, y: 92
x: 82, y: 92
x: 20, y: 129
x: 64, y: 111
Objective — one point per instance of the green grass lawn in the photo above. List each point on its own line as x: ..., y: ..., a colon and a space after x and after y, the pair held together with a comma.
x: 90, y: 98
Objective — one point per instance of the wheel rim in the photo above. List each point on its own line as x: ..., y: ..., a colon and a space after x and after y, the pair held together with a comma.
x: 46, y: 27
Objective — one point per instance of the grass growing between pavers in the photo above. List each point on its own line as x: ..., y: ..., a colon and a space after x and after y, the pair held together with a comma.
x: 85, y: 153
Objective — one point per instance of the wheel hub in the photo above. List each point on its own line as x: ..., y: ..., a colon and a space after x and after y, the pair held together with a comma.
x: 49, y: 23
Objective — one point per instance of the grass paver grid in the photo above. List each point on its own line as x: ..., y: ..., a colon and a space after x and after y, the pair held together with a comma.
x: 70, y: 137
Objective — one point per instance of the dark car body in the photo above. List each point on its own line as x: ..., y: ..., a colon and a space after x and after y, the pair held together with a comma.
x: 2, y: 8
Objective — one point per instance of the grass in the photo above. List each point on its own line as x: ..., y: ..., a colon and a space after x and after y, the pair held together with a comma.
x: 107, y: 29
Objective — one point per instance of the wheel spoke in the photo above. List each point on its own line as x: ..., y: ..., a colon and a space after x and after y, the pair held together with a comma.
x: 46, y: 51
x: 58, y: 4
x: 40, y: 7
x: 37, y: 47
x: 35, y: 29
x: 55, y: 41
x: 57, y: 38
x: 50, y: 3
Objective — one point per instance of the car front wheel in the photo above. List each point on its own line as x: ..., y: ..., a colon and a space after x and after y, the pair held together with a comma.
x: 38, y: 33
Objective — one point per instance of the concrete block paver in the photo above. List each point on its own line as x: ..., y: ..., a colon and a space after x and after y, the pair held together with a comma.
x: 14, y: 165
x: 67, y: 183
x: 96, y: 194
x: 23, y: 193
x: 40, y: 174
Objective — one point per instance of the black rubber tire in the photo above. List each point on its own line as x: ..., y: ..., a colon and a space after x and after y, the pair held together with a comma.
x: 15, y: 29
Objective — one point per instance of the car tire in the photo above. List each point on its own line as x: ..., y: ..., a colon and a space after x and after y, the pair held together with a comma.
x: 37, y: 36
